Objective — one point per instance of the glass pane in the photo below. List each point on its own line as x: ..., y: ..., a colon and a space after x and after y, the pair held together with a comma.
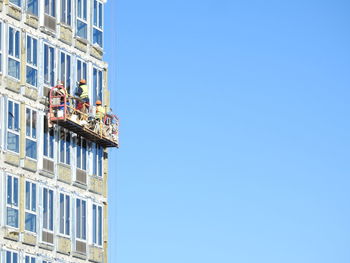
x: 97, y: 37
x: 11, y: 41
x: 34, y: 124
x: 100, y: 17
x: 45, y: 212
x: 34, y: 197
x: 28, y: 116
x: 33, y: 7
x: 95, y: 13
x: 52, y: 67
x: 29, y: 49
x: 30, y: 222
x: 82, y: 29
x: 94, y: 224
x: 31, y: 149
x: 32, y: 76
x: 12, y: 217
x: 84, y: 155
x: 15, y: 191
x: 35, y: 52
x: 83, y: 219
x: 16, y: 117
x: 78, y: 209
x: 51, y: 145
x: 67, y: 215
x: 62, y: 214
x: 68, y: 139
x: 17, y: 44
x: 51, y: 209
x: 12, y: 142
x: 27, y: 195
x: 79, y: 152
x: 10, y: 116
x: 46, y: 64
x: 13, y: 68
x: 62, y: 147
x: 100, y: 226
x: 9, y: 190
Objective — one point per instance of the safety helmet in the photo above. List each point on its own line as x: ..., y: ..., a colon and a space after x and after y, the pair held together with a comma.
x: 82, y: 81
x: 60, y: 84
x: 98, y: 102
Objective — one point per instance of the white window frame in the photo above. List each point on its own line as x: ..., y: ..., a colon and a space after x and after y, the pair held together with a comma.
x: 12, y: 253
x: 1, y: 44
x: 37, y: 6
x: 47, y: 140
x: 99, y: 81
x: 66, y: 161
x: 81, y: 220
x: 83, y: 18
x: 31, y: 210
x: 13, y: 204
x: 13, y: 130
x: 97, y: 225
x: 64, y: 14
x: 66, y: 76
x: 81, y: 140
x: 29, y: 135
x: 31, y: 57
x: 82, y: 75
x: 54, y: 5
x: 50, y: 210
x: 15, y: 57
x: 99, y: 26
x: 30, y: 259
x: 51, y: 65
x: 66, y: 219
x: 97, y: 160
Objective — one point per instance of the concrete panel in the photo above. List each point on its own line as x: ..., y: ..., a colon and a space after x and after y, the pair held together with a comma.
x: 64, y: 173
x: 30, y: 165
x: 32, y: 21
x: 1, y: 5
x: 12, y: 85
x: 66, y: 34
x: 12, y: 158
x: 64, y: 245
x: 81, y: 45
x: 96, y: 52
x: 95, y: 184
x: 11, y: 234
x: 95, y: 254
x: 14, y: 12
x: 29, y: 239
x: 30, y: 92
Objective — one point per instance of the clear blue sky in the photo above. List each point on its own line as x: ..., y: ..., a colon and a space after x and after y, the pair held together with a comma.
x: 235, y: 129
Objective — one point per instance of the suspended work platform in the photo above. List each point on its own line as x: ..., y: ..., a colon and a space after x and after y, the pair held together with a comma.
x: 81, y: 118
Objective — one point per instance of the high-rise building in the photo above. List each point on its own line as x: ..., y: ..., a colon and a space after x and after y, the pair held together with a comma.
x: 53, y: 157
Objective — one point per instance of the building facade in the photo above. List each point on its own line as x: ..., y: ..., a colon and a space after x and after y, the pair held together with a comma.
x: 53, y: 182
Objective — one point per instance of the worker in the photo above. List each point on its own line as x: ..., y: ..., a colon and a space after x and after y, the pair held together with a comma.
x: 83, y: 94
x: 100, y: 111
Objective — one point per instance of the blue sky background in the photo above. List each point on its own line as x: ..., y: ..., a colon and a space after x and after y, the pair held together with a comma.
x: 234, y: 131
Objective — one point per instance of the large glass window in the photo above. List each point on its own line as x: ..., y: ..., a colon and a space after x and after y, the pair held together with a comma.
x: 13, y: 126
x: 65, y: 70
x: 50, y: 7
x: 97, y: 164
x: 49, y: 139
x: 66, y: 11
x: 32, y: 61
x: 97, y: 224
x: 80, y: 212
x: 30, y: 216
x: 98, y: 23
x: 64, y: 214
x: 82, y: 18
x: 65, y: 142
x: 32, y: 7
x: 31, y: 140
x: 98, y: 83
x: 49, y: 65
x: 14, y: 47
x: 47, y: 209
x: 12, y: 201
x: 30, y: 259
x: 11, y: 257
x: 81, y: 146
x: 81, y: 70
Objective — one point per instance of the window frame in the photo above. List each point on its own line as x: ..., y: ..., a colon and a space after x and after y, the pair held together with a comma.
x: 97, y: 225
x: 83, y: 18
x: 50, y: 212
x: 30, y: 210
x: 20, y: 3
x: 37, y: 7
x: 64, y: 216
x: 97, y: 160
x: 54, y: 5
x: 11, y: 252
x: 97, y: 83
x: 83, y: 223
x: 47, y: 141
x: 64, y: 14
x: 66, y: 161
x: 51, y: 65
x: 65, y: 76
x: 79, y: 142
x: 13, y: 131
x: 30, y: 136
x: 1, y: 44
x: 30, y: 257
x: 30, y: 63
x: 15, y: 49
x: 99, y: 21
x: 82, y: 75
x: 12, y: 205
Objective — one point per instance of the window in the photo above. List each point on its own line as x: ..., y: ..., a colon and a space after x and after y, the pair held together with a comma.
x: 13, y: 53
x: 98, y: 81
x: 13, y: 126
x: 30, y: 217
x: 32, y: 7
x: 97, y: 164
x: 81, y: 70
x: 82, y: 18
x: 12, y: 201
x: 81, y: 147
x: 47, y: 209
x: 32, y: 61
x: 30, y: 259
x: 65, y: 70
x: 64, y: 214
x: 65, y: 142
x: 11, y: 257
x: 16, y: 2
x: 97, y: 225
x: 49, y: 139
x: 1, y: 46
x: 80, y: 219
x: 66, y: 11
x: 50, y: 8
x: 98, y: 23
x: 49, y: 65
x: 31, y: 122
